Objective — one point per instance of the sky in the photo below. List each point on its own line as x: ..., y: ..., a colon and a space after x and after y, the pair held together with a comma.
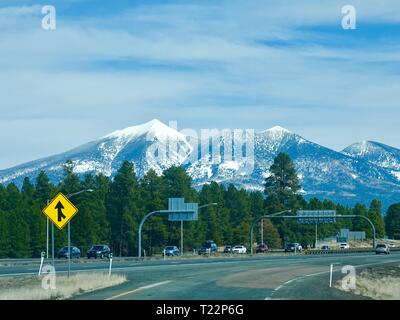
x: 205, y: 64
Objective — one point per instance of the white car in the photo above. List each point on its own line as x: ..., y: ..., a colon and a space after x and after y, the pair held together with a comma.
x: 382, y: 248
x: 239, y: 249
x: 344, y: 245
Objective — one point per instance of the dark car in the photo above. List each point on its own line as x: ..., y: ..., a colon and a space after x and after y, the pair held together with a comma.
x: 63, y: 253
x: 262, y: 248
x: 228, y: 249
x: 99, y: 251
x: 171, y: 251
x: 208, y: 247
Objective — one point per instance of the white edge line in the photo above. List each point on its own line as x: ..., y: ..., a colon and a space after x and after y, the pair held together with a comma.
x: 138, y: 289
x: 318, y: 273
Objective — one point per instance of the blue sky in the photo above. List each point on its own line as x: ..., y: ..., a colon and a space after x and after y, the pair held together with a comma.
x: 224, y: 64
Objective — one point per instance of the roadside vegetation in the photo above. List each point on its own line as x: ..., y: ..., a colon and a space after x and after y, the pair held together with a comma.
x: 30, y: 288
x: 379, y: 283
x: 111, y: 214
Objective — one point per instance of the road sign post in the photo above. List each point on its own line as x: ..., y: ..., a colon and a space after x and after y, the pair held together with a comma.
x: 60, y: 211
x: 110, y: 267
x: 42, y: 255
x: 52, y: 242
x: 69, y: 248
x: 178, y: 210
x: 326, y: 217
x: 47, y: 237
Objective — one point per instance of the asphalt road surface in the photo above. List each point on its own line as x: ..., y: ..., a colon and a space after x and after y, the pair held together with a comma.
x: 261, y: 277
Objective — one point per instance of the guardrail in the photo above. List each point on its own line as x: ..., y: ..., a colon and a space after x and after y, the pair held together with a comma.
x: 344, y: 251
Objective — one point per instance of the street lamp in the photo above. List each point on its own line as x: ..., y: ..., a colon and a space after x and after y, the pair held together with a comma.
x: 261, y: 218
x: 207, y: 205
x: 69, y: 196
x: 201, y: 207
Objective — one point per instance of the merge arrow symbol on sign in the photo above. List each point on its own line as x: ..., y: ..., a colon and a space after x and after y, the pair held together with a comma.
x: 59, y: 208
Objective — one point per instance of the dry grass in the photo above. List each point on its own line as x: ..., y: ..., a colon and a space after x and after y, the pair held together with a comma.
x: 381, y: 283
x: 30, y: 288
x: 387, y: 288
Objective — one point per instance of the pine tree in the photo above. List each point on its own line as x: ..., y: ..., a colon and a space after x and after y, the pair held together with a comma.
x: 271, y: 235
x: 392, y: 221
x: 34, y: 218
x: 4, y: 236
x: 151, y: 199
x: 282, y: 185
x: 122, y: 210
x: 90, y: 225
x: 18, y: 228
x: 177, y: 184
x: 375, y: 215
x: 360, y: 224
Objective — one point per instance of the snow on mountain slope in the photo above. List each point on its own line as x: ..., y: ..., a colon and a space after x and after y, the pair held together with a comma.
x: 359, y: 174
x: 377, y: 153
x: 145, y: 145
x: 323, y: 172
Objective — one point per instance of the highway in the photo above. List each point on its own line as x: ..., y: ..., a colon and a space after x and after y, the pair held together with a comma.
x: 253, y: 278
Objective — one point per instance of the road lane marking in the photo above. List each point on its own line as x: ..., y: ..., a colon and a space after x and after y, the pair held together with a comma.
x: 288, y: 260
x: 138, y: 289
x: 319, y: 273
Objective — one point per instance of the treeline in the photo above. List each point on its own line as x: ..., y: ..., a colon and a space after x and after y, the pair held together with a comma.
x: 112, y: 212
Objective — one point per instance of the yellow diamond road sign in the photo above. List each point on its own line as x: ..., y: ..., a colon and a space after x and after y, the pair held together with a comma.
x: 60, y: 210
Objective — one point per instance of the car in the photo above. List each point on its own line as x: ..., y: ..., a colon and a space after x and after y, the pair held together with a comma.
x: 228, y: 249
x: 239, y: 249
x: 208, y: 247
x: 262, y: 248
x: 325, y: 247
x: 99, y: 251
x: 344, y: 245
x: 171, y: 251
x: 382, y: 248
x: 63, y: 253
x: 293, y: 247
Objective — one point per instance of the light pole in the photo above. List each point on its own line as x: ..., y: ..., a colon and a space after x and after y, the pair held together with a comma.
x: 162, y: 212
x: 69, y: 229
x: 256, y: 221
x: 201, y: 207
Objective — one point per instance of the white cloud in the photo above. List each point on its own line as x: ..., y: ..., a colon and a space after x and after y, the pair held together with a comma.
x: 205, y: 63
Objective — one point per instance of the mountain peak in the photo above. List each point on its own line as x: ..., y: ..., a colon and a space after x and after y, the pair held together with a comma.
x: 276, y: 133
x: 362, y: 148
x: 377, y: 153
x: 278, y: 129
x: 152, y: 128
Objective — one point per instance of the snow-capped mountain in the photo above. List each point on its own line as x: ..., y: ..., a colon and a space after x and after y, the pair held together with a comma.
x: 323, y: 173
x: 343, y: 177
x: 146, y: 145
x: 377, y: 153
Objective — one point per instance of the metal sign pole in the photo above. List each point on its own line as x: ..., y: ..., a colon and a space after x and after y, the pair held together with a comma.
x: 69, y: 248
x: 262, y: 230
x: 52, y: 242
x: 47, y: 235
x: 47, y: 238
x: 181, y: 237
x: 41, y: 263
x: 110, y: 267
